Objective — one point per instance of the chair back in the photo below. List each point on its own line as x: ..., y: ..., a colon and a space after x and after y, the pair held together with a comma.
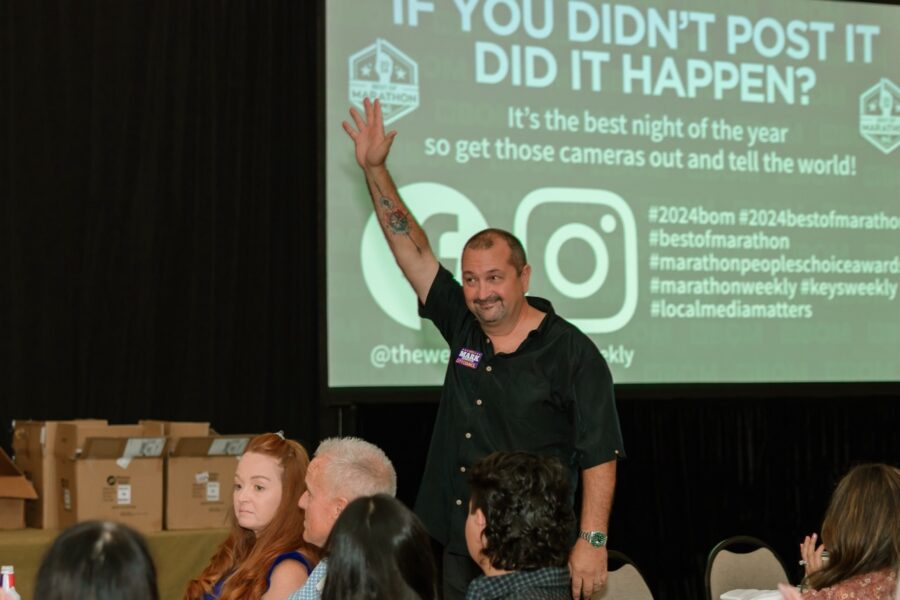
x: 625, y: 582
x: 727, y: 569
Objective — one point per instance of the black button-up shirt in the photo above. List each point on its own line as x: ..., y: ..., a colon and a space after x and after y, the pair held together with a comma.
x: 552, y: 396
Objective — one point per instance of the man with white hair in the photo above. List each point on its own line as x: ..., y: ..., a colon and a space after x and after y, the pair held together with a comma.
x: 342, y: 470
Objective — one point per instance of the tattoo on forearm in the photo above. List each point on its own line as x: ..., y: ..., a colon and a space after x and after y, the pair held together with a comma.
x: 385, y: 201
x: 398, y: 224
x: 397, y: 220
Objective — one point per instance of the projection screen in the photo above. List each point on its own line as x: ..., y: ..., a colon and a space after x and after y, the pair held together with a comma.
x: 708, y: 189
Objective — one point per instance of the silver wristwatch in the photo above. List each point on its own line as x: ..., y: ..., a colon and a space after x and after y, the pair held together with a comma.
x: 597, y: 539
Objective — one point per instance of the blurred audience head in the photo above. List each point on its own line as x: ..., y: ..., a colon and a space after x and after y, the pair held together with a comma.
x: 520, y: 512
x: 379, y: 550
x: 342, y: 470
x: 100, y: 560
x: 861, y: 529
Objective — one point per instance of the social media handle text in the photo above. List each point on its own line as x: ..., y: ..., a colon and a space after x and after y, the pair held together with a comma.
x: 383, y: 355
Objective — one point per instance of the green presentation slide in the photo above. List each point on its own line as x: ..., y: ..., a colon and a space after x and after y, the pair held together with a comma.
x: 709, y: 189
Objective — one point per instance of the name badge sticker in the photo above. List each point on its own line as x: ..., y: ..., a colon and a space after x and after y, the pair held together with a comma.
x: 468, y: 358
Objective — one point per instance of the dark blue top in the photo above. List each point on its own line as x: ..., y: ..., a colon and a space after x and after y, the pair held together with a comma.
x: 293, y: 555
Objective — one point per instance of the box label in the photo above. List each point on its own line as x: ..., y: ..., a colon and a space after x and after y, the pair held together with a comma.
x: 212, y: 491
x: 123, y: 493
x: 144, y: 447
x: 228, y: 446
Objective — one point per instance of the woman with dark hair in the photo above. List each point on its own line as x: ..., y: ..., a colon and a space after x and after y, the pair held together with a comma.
x: 520, y: 527
x: 862, y: 533
x: 265, y: 555
x: 100, y: 560
x: 379, y: 550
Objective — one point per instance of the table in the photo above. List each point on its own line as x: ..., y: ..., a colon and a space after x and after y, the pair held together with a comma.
x: 179, y: 556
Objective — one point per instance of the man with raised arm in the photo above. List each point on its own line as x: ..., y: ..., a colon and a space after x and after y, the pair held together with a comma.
x: 519, y: 378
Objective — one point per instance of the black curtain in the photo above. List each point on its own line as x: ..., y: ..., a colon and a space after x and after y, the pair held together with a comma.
x: 161, y: 205
x: 159, y: 212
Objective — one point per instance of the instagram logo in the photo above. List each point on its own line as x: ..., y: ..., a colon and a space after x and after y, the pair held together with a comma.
x: 582, y: 245
x: 447, y: 216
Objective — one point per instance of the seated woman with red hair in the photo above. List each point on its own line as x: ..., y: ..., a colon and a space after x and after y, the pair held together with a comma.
x: 265, y: 555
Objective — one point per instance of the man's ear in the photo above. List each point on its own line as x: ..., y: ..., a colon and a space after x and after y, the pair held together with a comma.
x: 480, y: 519
x: 525, y: 277
x: 340, y: 503
x: 481, y: 522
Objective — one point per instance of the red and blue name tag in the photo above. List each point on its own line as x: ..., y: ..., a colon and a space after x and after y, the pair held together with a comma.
x: 468, y: 358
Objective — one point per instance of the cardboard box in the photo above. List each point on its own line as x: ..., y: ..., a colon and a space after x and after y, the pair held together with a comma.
x: 199, y: 479
x: 179, y: 429
x: 14, y: 491
x: 112, y: 472
x: 34, y: 444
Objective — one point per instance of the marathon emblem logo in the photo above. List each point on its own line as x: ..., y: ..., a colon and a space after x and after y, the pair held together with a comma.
x: 382, y: 71
x: 879, y: 115
x: 468, y: 358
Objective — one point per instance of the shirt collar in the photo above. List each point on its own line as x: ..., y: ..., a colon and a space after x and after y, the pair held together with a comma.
x: 544, y: 306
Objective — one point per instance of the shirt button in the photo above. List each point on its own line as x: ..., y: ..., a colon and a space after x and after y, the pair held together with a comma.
x: 462, y: 469
x: 468, y: 435
x: 488, y: 368
x: 479, y: 402
x: 458, y: 502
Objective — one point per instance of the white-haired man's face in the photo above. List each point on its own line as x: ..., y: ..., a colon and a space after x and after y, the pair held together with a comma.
x: 320, y: 504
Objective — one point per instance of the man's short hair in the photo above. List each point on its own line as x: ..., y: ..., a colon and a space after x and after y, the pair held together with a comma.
x: 527, y: 504
x: 354, y: 467
x: 485, y: 239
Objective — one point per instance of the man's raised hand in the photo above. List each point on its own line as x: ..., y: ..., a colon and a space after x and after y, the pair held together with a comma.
x: 372, y: 144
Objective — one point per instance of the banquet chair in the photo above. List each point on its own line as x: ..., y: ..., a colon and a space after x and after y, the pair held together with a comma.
x: 625, y: 582
x: 743, y: 562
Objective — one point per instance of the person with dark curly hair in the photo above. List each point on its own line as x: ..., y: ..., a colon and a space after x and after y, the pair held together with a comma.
x: 520, y: 527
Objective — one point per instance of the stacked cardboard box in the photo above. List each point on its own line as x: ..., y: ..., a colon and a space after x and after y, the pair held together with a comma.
x: 199, y: 474
x: 155, y: 473
x: 112, y: 472
x: 199, y: 478
x: 15, y: 489
x: 34, y: 447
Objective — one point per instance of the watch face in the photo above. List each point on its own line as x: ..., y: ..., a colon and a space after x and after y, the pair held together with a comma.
x: 597, y: 539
